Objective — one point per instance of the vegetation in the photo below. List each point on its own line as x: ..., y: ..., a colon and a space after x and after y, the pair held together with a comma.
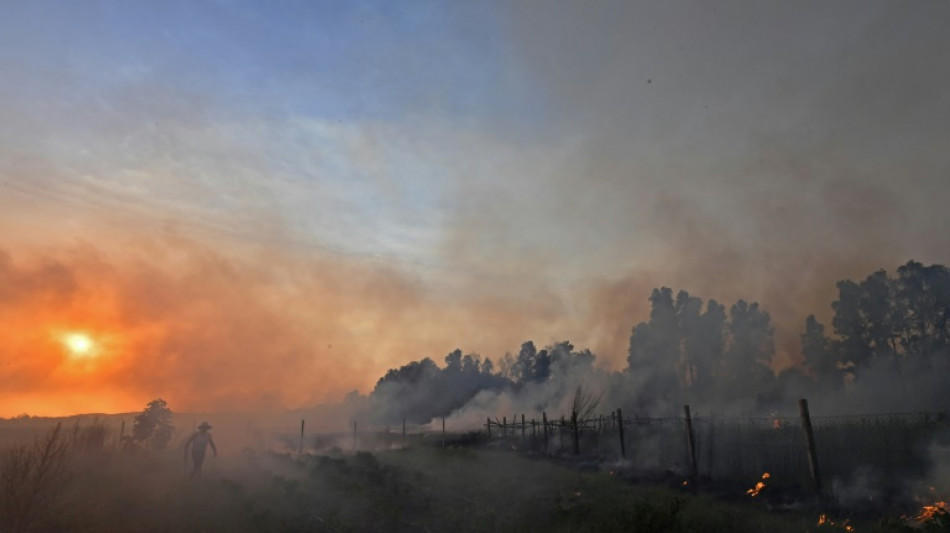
x: 64, y: 482
x: 153, y: 427
x: 415, y: 489
x: 887, y: 331
x: 30, y: 478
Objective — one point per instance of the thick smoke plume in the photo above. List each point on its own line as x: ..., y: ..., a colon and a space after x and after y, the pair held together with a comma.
x: 887, y: 352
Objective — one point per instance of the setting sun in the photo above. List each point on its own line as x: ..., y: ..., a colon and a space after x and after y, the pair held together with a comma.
x: 79, y: 344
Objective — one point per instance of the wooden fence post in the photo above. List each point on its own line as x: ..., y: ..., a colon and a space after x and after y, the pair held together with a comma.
x: 443, y: 432
x: 300, y: 449
x: 122, y: 435
x: 576, y: 434
x: 561, y: 433
x: 504, y: 428
x: 354, y: 435
x: 810, y: 444
x: 523, y: 443
x: 544, y: 423
x: 488, y: 425
x: 690, y: 444
x: 403, y: 432
x: 623, y: 445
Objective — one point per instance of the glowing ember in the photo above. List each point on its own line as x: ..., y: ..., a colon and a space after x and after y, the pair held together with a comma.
x: 823, y: 520
x: 933, y: 512
x: 776, y: 421
x: 754, y: 491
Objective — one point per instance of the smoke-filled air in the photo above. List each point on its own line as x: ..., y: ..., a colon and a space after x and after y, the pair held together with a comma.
x: 520, y: 229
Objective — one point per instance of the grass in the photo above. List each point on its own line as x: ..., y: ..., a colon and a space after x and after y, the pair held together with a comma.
x: 459, y: 489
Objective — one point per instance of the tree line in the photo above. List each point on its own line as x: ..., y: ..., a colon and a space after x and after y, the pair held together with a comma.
x: 695, y: 351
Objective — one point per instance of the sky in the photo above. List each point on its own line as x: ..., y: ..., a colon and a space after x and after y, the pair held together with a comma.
x: 266, y: 205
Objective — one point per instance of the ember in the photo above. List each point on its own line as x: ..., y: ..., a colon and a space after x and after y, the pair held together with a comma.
x: 754, y: 491
x: 824, y: 521
x: 934, y: 513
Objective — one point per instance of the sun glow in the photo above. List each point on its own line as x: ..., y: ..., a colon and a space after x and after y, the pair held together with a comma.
x: 79, y: 344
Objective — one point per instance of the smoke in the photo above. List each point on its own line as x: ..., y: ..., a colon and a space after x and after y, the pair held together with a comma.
x: 249, y: 246
x: 214, y: 328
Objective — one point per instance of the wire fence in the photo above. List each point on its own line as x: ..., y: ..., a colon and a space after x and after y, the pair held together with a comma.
x: 895, y: 445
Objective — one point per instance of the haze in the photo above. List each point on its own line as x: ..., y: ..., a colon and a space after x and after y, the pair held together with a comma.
x: 255, y: 207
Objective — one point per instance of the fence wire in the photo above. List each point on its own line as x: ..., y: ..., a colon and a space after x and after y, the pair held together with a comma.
x: 895, y: 445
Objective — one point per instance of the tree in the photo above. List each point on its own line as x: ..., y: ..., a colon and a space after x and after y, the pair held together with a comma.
x: 923, y: 301
x: 523, y: 369
x: 488, y: 367
x: 750, y: 350
x: 819, y: 354
x: 453, y: 361
x: 706, y: 346
x: 582, y: 407
x: 153, y: 426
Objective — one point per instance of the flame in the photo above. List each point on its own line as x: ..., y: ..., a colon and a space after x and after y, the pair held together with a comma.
x: 754, y: 491
x: 824, y: 520
x: 777, y: 422
x: 932, y: 512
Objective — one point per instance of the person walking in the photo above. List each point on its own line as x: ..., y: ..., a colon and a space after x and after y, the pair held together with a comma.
x: 199, y: 443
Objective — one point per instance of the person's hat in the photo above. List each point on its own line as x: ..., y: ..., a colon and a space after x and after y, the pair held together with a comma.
x: 204, y: 425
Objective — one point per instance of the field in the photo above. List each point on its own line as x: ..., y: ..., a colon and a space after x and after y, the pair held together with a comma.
x: 866, y: 463
x: 471, y: 484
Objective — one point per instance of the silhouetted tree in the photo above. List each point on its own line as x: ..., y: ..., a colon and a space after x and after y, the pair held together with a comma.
x: 153, y: 426
x: 923, y: 301
x: 816, y: 348
x: 523, y: 369
x: 453, y: 361
x: 542, y: 366
x: 707, y: 347
x: 750, y: 350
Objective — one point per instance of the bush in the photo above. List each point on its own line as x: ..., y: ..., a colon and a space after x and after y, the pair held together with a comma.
x: 29, y: 477
x: 153, y: 426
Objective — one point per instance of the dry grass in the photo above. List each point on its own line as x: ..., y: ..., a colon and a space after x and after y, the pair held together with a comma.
x: 30, y: 475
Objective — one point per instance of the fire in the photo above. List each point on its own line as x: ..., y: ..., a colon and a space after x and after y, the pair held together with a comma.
x: 823, y: 520
x: 938, y: 510
x: 754, y: 491
x: 777, y: 422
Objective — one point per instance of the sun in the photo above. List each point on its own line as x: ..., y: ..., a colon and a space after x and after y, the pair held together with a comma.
x: 79, y: 344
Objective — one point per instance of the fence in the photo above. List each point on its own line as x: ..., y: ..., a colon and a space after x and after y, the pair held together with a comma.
x: 799, y: 452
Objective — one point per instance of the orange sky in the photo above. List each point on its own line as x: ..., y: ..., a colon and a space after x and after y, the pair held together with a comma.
x: 269, y: 222
x: 251, y: 329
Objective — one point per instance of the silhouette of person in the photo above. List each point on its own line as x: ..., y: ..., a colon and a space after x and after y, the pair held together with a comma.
x: 199, y: 442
